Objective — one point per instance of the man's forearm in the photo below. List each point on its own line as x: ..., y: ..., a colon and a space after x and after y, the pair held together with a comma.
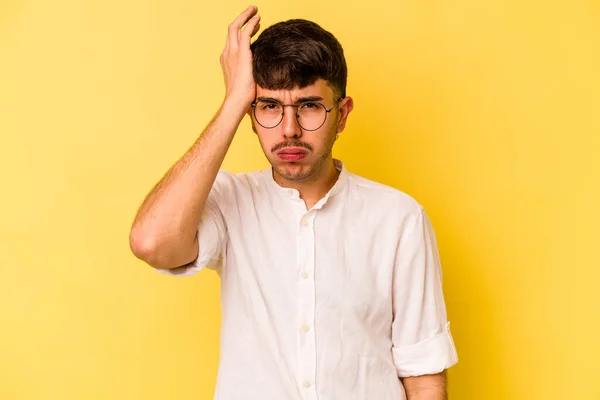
x: 428, y: 394
x: 163, y: 233
x: 426, y: 387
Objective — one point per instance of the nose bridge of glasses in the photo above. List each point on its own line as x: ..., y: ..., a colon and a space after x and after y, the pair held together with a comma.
x: 294, y: 123
x: 295, y: 115
x: 295, y: 106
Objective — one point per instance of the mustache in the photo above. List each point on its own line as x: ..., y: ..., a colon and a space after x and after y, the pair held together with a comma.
x: 283, y: 145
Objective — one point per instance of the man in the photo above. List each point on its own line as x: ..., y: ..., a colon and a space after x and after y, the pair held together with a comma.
x: 331, y: 283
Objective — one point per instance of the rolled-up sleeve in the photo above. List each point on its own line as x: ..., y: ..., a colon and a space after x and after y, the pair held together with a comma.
x: 421, y: 339
x: 212, y: 233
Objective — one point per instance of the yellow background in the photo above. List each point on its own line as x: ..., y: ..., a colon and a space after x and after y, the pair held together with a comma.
x: 487, y: 112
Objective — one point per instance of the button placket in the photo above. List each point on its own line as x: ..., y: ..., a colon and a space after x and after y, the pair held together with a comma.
x: 306, y: 306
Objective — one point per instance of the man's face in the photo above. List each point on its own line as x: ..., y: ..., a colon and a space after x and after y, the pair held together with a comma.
x: 296, y: 153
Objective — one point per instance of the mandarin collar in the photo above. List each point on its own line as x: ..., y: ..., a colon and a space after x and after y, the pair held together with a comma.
x: 295, y: 194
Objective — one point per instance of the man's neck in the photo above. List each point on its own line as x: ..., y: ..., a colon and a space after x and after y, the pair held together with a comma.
x: 314, y: 188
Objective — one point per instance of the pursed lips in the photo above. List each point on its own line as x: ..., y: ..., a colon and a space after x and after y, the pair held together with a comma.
x: 292, y: 150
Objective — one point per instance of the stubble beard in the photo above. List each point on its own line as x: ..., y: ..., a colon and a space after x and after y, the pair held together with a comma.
x: 312, y: 169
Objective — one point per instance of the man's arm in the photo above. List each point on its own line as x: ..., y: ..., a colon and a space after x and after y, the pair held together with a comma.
x: 426, y: 387
x: 421, y: 338
x: 164, y: 231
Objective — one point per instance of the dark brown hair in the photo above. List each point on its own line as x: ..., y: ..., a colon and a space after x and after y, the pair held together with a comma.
x: 295, y: 53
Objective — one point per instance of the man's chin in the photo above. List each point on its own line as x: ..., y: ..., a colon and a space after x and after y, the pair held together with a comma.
x: 293, y: 171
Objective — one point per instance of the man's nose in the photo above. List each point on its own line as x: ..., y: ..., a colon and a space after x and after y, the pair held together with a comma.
x: 290, y: 123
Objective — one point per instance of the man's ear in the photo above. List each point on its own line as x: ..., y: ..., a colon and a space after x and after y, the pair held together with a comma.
x: 346, y: 106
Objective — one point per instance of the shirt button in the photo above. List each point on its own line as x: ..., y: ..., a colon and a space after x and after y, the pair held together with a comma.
x: 305, y: 328
x: 306, y: 384
x: 305, y: 275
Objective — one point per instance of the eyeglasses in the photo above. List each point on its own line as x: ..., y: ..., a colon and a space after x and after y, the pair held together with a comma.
x: 310, y: 115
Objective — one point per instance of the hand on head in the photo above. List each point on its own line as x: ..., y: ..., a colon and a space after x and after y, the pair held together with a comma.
x: 236, y: 58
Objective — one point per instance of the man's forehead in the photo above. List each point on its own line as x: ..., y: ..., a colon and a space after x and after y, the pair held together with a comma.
x: 320, y: 88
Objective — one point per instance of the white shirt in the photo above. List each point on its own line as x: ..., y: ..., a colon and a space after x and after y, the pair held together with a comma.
x: 336, y: 302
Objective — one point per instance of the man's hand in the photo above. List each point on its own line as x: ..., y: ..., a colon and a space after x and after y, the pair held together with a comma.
x: 236, y: 59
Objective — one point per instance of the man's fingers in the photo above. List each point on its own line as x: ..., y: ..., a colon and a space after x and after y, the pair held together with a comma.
x: 244, y: 17
x: 236, y: 25
x: 256, y: 28
x: 250, y: 29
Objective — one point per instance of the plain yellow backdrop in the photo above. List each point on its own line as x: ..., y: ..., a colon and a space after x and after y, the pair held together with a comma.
x: 487, y: 112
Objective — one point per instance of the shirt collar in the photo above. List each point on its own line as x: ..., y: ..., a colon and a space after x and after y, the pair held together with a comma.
x: 295, y: 194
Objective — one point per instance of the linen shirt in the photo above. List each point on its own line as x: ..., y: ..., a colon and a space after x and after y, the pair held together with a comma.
x: 335, y: 302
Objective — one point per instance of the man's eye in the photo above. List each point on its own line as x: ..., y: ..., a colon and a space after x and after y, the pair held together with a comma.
x: 270, y: 106
x: 310, y: 105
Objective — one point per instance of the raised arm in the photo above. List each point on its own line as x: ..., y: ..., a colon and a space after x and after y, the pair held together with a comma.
x: 163, y: 233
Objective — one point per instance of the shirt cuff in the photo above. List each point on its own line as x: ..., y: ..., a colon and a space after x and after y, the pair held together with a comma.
x: 430, y: 356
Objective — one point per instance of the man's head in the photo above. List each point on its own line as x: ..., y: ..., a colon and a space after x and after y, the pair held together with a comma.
x: 295, y: 60
x: 296, y: 53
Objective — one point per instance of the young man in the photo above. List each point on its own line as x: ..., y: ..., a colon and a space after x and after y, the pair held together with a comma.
x: 331, y: 283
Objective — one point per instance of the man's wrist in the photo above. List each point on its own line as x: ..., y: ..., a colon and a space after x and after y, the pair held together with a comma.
x: 235, y: 106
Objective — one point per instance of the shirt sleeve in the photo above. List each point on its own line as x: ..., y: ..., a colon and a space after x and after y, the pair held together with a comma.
x: 212, y: 233
x: 421, y: 339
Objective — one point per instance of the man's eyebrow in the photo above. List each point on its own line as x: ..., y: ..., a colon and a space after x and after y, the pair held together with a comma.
x: 267, y: 99
x: 298, y: 100
x: 308, y: 98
